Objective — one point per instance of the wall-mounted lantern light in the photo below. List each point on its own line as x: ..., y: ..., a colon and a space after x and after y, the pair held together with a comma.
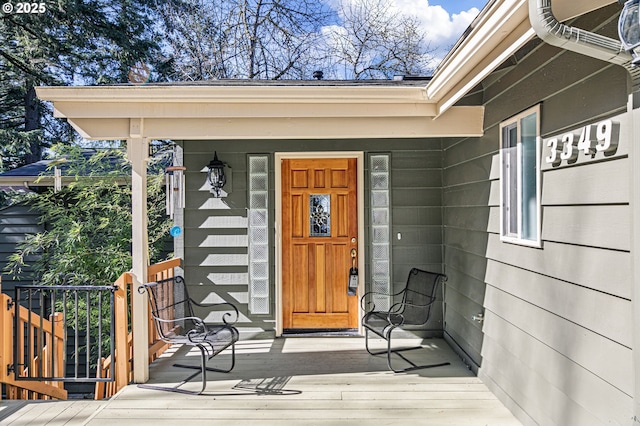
x: 629, y: 28
x: 215, y: 175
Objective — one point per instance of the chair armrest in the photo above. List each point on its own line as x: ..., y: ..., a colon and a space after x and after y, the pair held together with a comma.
x: 228, y: 317
x: 369, y: 305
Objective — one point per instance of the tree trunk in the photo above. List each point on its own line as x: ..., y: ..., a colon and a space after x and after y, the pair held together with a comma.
x: 32, y: 122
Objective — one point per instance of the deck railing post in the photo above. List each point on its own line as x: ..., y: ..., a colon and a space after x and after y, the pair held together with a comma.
x: 6, y: 337
x: 122, y: 331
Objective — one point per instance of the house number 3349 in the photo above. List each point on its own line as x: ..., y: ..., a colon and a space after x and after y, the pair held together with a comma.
x: 591, y: 139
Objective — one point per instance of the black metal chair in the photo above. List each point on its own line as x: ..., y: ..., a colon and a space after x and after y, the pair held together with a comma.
x: 413, y: 307
x: 174, y: 318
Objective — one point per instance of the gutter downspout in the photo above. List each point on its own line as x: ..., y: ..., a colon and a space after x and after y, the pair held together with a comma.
x: 607, y: 49
x: 580, y: 41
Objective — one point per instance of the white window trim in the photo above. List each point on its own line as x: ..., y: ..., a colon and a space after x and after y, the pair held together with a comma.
x: 537, y: 242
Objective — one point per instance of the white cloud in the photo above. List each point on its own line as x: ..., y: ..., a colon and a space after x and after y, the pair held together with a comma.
x: 443, y: 28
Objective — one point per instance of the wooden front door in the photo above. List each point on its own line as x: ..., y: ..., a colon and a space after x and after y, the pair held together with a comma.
x: 319, y: 230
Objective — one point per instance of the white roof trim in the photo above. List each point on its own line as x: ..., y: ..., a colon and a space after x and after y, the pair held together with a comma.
x: 258, y: 112
x: 501, y: 29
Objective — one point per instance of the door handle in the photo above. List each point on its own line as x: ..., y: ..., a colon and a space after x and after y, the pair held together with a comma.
x: 352, y: 286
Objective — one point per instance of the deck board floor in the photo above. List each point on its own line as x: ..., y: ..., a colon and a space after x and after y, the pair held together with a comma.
x: 287, y: 381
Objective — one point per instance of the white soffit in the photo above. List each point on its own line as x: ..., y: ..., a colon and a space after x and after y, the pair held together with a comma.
x: 258, y: 112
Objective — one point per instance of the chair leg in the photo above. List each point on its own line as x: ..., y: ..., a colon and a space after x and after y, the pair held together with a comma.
x: 217, y: 370
x: 384, y: 351
x: 413, y: 365
x: 366, y: 344
x: 202, y: 369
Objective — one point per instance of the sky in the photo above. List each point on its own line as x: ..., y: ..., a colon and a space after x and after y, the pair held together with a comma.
x: 456, y: 6
x: 443, y: 20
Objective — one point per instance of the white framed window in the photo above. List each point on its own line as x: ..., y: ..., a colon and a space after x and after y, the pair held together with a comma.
x: 520, y: 178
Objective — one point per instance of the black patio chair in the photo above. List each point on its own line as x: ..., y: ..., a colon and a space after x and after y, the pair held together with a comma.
x: 174, y: 318
x: 413, y: 307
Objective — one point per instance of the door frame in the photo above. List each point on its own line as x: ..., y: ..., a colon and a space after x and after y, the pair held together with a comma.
x: 279, y: 156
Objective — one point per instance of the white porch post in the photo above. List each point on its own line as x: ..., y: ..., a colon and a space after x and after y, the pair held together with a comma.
x: 138, y: 154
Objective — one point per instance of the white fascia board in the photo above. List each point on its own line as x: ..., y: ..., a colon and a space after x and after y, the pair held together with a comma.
x: 481, y: 51
x: 236, y: 94
x: 201, y: 109
x: 486, y: 67
x: 496, y: 23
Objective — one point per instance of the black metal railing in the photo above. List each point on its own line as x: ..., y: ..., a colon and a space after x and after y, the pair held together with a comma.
x: 64, y: 333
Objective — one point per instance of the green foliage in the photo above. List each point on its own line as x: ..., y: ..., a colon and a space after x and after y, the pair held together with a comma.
x: 87, y: 237
x: 88, y: 223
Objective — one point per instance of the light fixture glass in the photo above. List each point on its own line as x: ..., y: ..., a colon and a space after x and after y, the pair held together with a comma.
x: 629, y: 28
x: 215, y: 175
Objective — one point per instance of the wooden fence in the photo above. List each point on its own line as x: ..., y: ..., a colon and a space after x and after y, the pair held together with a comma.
x: 52, y: 330
x: 47, y: 335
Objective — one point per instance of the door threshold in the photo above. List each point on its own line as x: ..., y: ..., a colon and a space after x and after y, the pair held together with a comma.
x: 320, y: 332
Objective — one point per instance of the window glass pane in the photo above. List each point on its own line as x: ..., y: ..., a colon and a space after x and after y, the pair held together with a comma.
x: 258, y: 237
x: 510, y: 183
x: 380, y: 204
x: 320, y: 215
x: 529, y: 172
x: 520, y: 208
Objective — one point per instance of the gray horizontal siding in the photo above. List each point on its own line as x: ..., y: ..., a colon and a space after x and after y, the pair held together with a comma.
x: 470, y: 287
x: 557, y: 346
x: 592, y: 310
x: 467, y: 190
x: 553, y: 389
x: 216, y: 231
x: 605, y: 226
x: 601, y: 183
x: 595, y: 268
x: 606, y: 358
x: 16, y: 222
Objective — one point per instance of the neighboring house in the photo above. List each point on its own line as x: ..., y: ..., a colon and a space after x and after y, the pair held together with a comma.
x: 513, y: 170
x: 19, y: 220
x: 16, y: 222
